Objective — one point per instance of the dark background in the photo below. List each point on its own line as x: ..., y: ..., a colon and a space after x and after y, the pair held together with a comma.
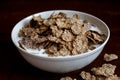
x: 14, y: 67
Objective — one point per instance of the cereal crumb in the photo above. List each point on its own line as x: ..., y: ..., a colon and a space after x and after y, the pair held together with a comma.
x: 113, y: 77
x: 110, y: 57
x: 67, y: 78
x: 87, y: 76
x: 106, y: 70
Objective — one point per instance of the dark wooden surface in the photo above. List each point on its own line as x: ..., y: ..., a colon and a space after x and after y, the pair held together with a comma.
x: 14, y: 67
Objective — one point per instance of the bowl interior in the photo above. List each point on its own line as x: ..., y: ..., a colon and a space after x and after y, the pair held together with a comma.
x: 84, y: 16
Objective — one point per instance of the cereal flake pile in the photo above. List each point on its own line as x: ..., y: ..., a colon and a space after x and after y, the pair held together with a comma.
x: 59, y: 35
x: 105, y: 72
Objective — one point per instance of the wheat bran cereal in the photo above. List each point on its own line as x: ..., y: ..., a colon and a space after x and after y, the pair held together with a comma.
x: 67, y: 78
x: 70, y: 32
x: 110, y: 57
x: 67, y: 36
x: 106, y: 70
x: 87, y: 76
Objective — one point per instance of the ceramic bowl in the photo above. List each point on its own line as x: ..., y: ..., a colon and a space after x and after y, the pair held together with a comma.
x: 66, y: 63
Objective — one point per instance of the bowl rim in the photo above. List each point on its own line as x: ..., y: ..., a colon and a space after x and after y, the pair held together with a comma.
x: 64, y: 57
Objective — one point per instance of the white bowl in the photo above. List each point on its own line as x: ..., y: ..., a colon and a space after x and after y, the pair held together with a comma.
x: 67, y: 63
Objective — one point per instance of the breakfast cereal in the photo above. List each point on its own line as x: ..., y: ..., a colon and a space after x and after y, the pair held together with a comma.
x: 59, y: 35
x: 110, y: 57
x: 89, y: 76
x: 106, y: 70
x: 67, y: 78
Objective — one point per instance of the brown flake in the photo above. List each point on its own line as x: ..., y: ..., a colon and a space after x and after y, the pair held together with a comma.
x: 21, y: 45
x: 69, y: 45
x: 59, y: 15
x: 36, y: 22
x: 87, y: 76
x: 106, y: 70
x: 63, y: 51
x: 55, y: 31
x: 67, y: 36
x: 76, y: 29
x: 38, y: 39
x: 110, y: 57
x: 52, y: 50
x: 67, y: 78
x: 80, y: 44
x: 95, y: 37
